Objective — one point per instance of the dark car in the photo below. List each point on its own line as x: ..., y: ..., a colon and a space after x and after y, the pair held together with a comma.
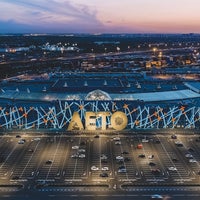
x: 141, y: 156
x: 152, y: 164
x: 104, y: 161
x: 179, y: 145
x: 122, y: 167
x: 49, y: 162
x: 174, y: 136
x: 174, y: 159
x: 197, y: 140
x: 125, y: 152
x: 103, y: 175
x: 191, y: 149
x: 82, y: 143
x: 15, y: 177
x: 155, y: 171
x: 18, y: 136
x: 120, y: 162
x: 126, y: 159
x: 96, y: 136
x: 30, y: 150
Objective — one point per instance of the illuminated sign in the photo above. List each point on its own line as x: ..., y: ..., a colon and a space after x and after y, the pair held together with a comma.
x: 118, y: 121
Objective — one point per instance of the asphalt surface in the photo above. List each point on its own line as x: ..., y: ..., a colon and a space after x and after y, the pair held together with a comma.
x: 72, y: 166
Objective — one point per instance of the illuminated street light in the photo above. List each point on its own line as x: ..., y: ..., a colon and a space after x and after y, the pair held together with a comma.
x: 118, y: 49
x: 160, y: 55
x: 154, y: 51
x: 62, y: 49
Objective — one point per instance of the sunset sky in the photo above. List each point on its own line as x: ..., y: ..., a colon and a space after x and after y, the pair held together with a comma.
x: 99, y: 16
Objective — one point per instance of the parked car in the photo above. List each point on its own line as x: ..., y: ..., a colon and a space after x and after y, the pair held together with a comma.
x: 155, y: 171
x: 192, y: 161
x: 94, y: 168
x: 156, y: 196
x: 141, y: 156
x: 75, y: 147
x: 174, y: 136
x: 103, y: 175
x: 152, y: 164
x: 172, y: 169
x: 48, y: 162
x: 105, y: 169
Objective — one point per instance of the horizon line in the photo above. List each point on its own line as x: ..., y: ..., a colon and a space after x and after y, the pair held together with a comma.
x: 103, y: 33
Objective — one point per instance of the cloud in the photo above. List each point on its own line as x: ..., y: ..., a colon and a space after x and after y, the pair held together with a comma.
x: 49, y: 15
x: 109, y: 22
x: 96, y: 16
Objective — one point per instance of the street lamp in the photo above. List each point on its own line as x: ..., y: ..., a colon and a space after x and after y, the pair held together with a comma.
x: 118, y: 49
x: 154, y: 51
x: 160, y: 55
x: 62, y: 50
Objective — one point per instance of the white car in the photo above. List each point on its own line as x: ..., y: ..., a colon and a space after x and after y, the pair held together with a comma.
x: 104, y: 168
x: 118, y: 143
x: 94, y: 168
x: 103, y: 157
x: 116, y: 139
x: 172, y: 169
x: 74, y: 155
x: 188, y: 155
x: 81, y: 156
x: 75, y: 147
x: 192, y: 161
x: 119, y: 158
x: 150, y: 156
x: 179, y: 143
x: 145, y: 140
x: 37, y: 139
x: 81, y: 150
x: 122, y: 170
x: 156, y: 196
x: 21, y: 142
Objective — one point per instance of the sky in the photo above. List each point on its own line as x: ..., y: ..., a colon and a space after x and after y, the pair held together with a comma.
x: 99, y: 16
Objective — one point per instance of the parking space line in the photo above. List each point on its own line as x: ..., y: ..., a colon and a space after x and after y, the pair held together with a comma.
x: 29, y: 161
x: 75, y: 166
x: 54, y: 155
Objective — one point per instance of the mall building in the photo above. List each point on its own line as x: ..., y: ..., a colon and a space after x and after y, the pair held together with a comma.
x: 98, y: 102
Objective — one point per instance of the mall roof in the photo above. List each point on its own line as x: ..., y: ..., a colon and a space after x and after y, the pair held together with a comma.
x: 146, y: 97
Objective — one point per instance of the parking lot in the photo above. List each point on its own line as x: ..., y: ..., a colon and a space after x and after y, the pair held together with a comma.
x: 117, y: 161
